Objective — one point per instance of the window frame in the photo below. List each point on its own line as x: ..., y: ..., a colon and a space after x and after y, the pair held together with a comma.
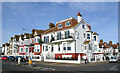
x: 95, y: 38
x: 68, y: 23
x: 64, y: 46
x: 27, y: 50
x: 52, y: 49
x: 60, y: 26
x: 69, y: 47
x: 46, y: 48
x: 88, y: 37
x: 83, y: 26
x: 58, y: 47
x: 43, y: 47
x: 84, y: 35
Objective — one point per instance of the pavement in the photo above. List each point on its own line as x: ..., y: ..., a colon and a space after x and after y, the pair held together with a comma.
x: 46, y: 66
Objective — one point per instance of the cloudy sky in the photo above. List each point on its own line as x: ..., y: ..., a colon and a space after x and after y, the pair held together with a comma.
x: 102, y: 16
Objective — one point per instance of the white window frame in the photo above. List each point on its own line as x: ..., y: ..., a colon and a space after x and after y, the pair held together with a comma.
x: 69, y: 46
x: 88, y: 36
x: 95, y: 38
x: 67, y: 23
x: 64, y: 46
x: 27, y: 49
x: 60, y: 26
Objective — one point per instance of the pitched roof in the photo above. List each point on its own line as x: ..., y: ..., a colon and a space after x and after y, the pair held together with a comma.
x: 94, y: 33
x: 17, y: 37
x: 22, y: 36
x: 86, y: 42
x: 114, y: 46
x: 51, y: 25
x: 89, y: 26
x: 90, y: 31
x: 39, y: 32
x: 7, y: 44
x: 33, y: 31
x: 3, y: 45
x: 105, y: 45
x: 11, y: 38
x: 50, y: 30
x: 73, y: 22
x: 31, y: 36
x: 27, y: 35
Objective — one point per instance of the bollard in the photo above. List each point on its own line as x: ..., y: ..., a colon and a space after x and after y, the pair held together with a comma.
x: 19, y: 60
x: 30, y: 61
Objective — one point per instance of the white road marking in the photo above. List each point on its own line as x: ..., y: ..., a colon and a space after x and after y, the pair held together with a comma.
x: 114, y: 68
x: 42, y: 68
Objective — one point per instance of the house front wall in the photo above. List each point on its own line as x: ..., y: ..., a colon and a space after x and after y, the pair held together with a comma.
x: 37, y: 46
x: 56, y: 47
x: 79, y: 31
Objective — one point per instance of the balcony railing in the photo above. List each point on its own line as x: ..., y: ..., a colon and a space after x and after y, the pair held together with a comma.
x: 62, y: 37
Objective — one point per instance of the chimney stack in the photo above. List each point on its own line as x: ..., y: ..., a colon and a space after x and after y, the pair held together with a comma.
x: 51, y: 25
x: 79, y: 16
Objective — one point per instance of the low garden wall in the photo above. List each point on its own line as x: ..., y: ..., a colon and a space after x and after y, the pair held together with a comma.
x: 64, y: 61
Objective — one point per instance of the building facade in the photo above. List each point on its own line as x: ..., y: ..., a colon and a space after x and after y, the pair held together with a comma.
x: 66, y: 40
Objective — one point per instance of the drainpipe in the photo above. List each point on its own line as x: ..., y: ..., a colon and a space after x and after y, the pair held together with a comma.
x: 75, y: 49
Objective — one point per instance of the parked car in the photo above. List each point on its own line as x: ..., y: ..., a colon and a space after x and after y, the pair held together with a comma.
x: 11, y: 58
x: 4, y: 57
x: 21, y: 58
x: 113, y: 59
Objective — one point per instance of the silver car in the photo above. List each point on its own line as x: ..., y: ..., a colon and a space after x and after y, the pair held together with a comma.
x: 113, y: 59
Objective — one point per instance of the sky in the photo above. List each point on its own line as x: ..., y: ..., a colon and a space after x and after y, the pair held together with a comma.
x: 102, y: 16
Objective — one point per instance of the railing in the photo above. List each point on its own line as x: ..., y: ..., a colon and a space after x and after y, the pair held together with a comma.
x: 63, y: 36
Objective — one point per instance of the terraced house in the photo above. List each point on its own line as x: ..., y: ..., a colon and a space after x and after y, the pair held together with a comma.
x: 15, y: 45
x: 37, y: 44
x: 109, y: 49
x: 69, y: 39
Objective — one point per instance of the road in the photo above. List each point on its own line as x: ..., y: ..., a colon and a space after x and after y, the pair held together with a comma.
x: 43, y: 66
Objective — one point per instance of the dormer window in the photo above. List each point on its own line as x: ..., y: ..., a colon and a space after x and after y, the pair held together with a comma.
x: 60, y: 26
x: 67, y: 23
